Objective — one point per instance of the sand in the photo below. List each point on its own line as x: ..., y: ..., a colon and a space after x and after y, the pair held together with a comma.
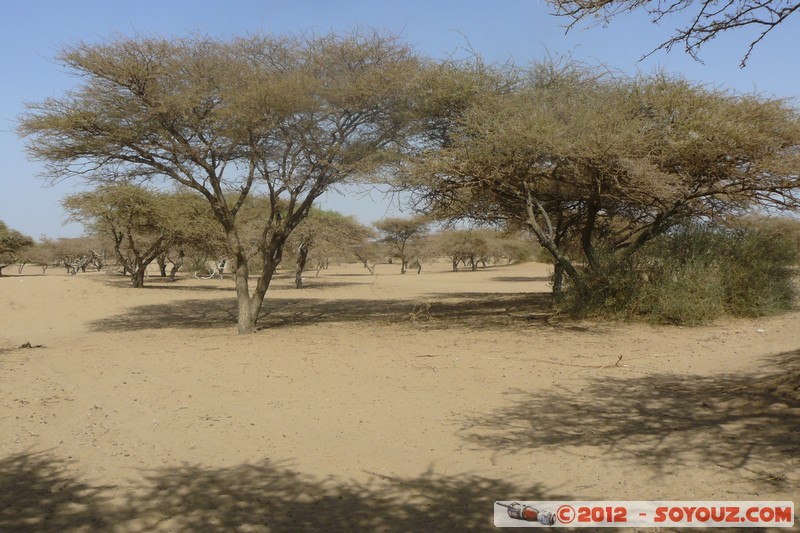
x: 385, y: 403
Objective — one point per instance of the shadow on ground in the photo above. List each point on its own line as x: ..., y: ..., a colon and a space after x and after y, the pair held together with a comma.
x: 159, y: 283
x: 209, y: 285
x: 739, y: 422
x: 39, y: 495
x: 38, y: 492
x: 521, y: 279
x: 437, y: 311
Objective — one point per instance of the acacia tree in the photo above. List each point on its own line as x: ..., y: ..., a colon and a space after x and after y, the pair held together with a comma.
x: 325, y: 234
x: 470, y: 247
x: 290, y: 116
x: 12, y: 243
x: 135, y: 219
x: 709, y: 18
x: 611, y: 162
x: 462, y: 246
x: 403, y: 236
x: 73, y: 253
x: 193, y: 230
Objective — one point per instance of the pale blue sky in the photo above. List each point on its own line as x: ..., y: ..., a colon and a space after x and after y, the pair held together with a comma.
x: 32, y: 32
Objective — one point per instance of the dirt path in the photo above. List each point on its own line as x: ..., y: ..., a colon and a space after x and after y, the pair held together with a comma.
x: 397, y: 403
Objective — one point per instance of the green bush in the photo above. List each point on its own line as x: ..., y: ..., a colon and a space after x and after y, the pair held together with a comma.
x: 692, y: 275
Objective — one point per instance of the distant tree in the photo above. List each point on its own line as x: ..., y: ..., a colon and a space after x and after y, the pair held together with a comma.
x: 291, y: 116
x: 194, y: 232
x: 709, y: 18
x: 403, y: 236
x: 73, y: 253
x: 470, y: 247
x: 135, y: 219
x: 462, y: 246
x: 325, y: 234
x: 12, y: 244
x: 510, y: 249
x: 369, y: 251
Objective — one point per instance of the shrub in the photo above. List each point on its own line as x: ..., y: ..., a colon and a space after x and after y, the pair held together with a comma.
x: 692, y: 275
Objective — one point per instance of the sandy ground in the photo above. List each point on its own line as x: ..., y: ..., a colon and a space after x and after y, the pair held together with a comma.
x: 386, y: 403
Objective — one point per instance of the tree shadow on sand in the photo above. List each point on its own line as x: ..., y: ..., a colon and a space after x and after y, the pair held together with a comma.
x: 521, y: 279
x: 739, y: 422
x: 268, y: 497
x: 476, y: 311
x: 39, y: 495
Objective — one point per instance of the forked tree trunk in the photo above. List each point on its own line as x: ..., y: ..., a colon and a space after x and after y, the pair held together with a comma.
x: 137, y: 277
x: 249, y: 305
x: 176, y: 265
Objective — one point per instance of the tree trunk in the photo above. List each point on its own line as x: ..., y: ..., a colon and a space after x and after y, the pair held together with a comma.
x: 176, y: 266
x: 403, y: 266
x: 162, y: 266
x: 246, y: 321
x: 302, y: 257
x: 271, y: 256
x: 137, y: 277
x: 455, y: 265
x: 558, y: 279
x: 587, y: 233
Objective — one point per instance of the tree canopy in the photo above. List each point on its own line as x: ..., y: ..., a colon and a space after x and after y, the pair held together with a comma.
x: 403, y: 236
x: 289, y: 116
x: 12, y: 242
x: 612, y: 162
